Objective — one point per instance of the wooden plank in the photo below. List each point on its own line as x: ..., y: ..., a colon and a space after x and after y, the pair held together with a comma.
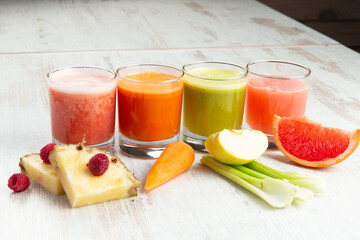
x: 318, y: 9
x: 53, y: 26
x: 199, y: 204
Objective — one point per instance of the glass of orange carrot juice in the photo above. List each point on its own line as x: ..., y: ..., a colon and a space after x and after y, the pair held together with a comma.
x: 275, y: 87
x: 83, y: 106
x: 149, y: 108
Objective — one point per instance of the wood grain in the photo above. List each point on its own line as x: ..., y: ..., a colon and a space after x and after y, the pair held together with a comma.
x: 91, y: 25
x: 198, y: 204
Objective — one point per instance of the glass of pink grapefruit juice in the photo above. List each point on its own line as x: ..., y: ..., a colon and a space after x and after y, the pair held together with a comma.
x: 83, y: 105
x: 275, y: 87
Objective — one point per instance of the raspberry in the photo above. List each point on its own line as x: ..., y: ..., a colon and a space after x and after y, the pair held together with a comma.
x: 45, y: 152
x: 98, y: 164
x: 18, y: 182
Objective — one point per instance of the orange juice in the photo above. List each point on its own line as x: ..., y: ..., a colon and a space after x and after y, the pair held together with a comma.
x: 266, y: 97
x: 149, y: 105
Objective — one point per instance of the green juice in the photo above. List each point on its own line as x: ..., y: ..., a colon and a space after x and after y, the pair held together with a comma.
x: 213, y: 100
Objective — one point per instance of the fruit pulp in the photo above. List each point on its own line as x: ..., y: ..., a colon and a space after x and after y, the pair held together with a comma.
x: 82, y: 105
x: 150, y: 106
x: 81, y: 186
x: 311, y: 144
x: 266, y: 97
x: 41, y: 173
x: 236, y: 147
x: 213, y: 100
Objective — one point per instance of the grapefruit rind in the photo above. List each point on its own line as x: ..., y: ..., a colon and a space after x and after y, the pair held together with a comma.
x: 354, y: 137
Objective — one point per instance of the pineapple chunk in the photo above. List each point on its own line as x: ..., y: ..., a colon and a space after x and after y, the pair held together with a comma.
x: 81, y: 186
x: 41, y: 173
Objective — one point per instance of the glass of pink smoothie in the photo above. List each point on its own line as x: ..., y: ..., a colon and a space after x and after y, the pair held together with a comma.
x: 83, y: 104
x: 275, y: 87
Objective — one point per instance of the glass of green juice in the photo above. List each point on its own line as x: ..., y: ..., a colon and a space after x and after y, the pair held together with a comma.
x: 214, y: 96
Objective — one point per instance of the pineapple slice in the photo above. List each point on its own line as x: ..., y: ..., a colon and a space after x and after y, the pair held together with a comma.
x: 41, y: 173
x: 81, y: 186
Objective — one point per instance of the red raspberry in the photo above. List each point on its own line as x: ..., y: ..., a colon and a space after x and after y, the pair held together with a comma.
x: 45, y: 152
x: 98, y: 164
x: 18, y: 182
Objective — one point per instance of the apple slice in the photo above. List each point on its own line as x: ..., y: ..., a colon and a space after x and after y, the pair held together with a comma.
x: 236, y: 147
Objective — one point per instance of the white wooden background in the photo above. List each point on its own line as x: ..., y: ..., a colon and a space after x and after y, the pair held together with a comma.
x: 87, y: 25
x: 38, y: 36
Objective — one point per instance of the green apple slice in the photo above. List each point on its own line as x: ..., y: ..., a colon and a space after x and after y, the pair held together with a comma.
x: 236, y: 147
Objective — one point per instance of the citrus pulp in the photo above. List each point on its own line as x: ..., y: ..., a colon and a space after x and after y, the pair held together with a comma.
x: 310, y: 144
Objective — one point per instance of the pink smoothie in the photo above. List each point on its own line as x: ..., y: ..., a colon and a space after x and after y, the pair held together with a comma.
x: 82, y: 104
x: 266, y: 97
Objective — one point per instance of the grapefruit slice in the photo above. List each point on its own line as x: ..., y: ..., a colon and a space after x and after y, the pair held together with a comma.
x: 310, y: 144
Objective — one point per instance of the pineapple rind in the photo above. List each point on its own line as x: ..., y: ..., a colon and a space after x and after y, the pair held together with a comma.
x: 81, y: 187
x: 41, y: 173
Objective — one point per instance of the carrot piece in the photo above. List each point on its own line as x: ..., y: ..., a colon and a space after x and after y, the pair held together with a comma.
x: 174, y: 160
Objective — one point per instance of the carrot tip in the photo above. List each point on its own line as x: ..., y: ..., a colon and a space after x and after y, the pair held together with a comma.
x: 175, y: 159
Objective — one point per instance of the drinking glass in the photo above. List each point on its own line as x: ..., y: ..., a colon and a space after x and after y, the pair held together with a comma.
x: 275, y: 87
x: 214, y: 96
x: 149, y: 104
x: 82, y: 106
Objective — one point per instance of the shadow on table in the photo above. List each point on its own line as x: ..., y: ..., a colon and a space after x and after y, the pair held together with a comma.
x: 35, y: 191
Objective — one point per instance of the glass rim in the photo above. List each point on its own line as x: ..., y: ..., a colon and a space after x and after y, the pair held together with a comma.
x: 308, y: 70
x: 216, y: 62
x: 82, y: 67
x: 149, y: 65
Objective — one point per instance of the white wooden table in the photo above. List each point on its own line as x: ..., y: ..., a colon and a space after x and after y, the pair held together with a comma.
x: 36, y: 37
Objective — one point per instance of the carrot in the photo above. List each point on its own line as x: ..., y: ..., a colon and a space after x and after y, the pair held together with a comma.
x: 174, y: 160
